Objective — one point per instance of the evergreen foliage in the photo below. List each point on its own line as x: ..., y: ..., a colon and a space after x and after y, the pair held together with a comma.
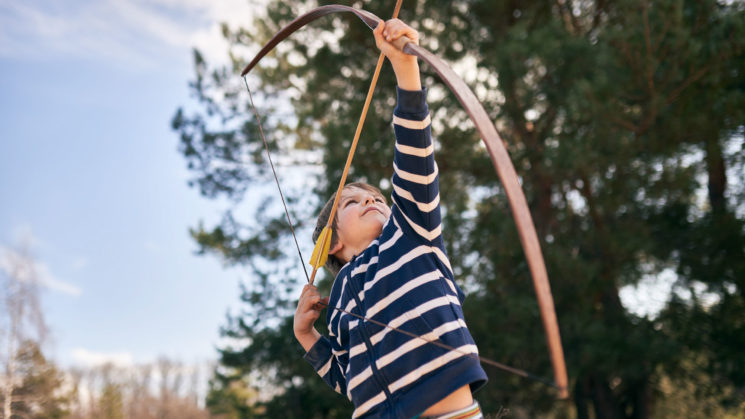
x: 625, y: 120
x: 40, y: 391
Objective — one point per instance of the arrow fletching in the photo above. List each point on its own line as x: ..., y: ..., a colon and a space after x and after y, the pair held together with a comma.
x: 321, y: 251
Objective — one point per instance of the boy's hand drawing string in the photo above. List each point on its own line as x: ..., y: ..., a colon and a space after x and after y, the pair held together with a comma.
x: 500, y: 160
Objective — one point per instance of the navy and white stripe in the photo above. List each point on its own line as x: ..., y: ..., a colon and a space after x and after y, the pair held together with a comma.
x: 402, y: 279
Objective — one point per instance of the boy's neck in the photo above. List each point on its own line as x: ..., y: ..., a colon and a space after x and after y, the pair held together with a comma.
x: 348, y: 253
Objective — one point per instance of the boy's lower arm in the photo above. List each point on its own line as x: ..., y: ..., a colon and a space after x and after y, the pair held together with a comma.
x: 307, y: 340
x: 407, y: 75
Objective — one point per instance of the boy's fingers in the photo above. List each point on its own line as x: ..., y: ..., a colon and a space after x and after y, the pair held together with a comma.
x: 395, y: 29
x: 321, y: 303
x: 308, y: 297
x: 380, y: 30
x: 309, y: 289
x: 380, y: 27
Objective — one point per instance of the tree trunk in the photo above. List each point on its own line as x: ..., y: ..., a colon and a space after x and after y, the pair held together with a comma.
x: 641, y: 400
x: 602, y: 397
x: 717, y: 175
x: 580, y: 399
x: 14, y: 313
x: 8, y: 384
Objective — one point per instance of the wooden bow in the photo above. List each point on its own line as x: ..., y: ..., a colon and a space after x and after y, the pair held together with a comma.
x: 499, y: 157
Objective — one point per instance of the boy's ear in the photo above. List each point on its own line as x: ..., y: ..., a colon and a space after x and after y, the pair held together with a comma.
x: 336, y: 248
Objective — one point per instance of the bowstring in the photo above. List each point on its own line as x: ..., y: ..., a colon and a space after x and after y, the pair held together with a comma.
x: 499, y: 365
x: 276, y: 178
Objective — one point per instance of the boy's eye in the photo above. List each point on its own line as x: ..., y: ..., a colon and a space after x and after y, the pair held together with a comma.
x: 349, y: 201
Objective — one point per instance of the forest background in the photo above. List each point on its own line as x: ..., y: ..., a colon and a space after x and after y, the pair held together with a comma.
x: 624, y: 120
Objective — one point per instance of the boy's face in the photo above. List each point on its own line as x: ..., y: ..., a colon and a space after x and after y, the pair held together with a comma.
x: 360, y: 217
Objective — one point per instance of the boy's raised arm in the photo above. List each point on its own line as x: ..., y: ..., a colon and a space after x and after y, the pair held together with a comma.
x: 415, y: 182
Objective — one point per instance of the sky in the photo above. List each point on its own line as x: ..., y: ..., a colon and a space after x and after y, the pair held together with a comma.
x: 91, y: 175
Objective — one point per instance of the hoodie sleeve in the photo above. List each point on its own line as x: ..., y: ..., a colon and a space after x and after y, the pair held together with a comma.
x: 416, y: 193
x: 328, y: 365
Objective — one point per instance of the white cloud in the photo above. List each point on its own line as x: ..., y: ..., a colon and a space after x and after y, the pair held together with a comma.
x: 136, y: 32
x: 49, y: 281
x: 21, y: 267
x: 87, y: 358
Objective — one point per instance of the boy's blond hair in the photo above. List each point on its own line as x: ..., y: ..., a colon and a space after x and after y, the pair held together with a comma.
x: 333, y: 263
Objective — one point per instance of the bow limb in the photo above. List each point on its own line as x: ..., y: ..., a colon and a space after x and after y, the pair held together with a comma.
x: 370, y: 20
x: 499, y: 157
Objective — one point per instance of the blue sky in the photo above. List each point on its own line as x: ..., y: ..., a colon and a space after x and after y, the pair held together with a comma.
x: 90, y: 170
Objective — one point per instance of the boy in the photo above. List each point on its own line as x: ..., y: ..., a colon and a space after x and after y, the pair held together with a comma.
x: 390, y: 266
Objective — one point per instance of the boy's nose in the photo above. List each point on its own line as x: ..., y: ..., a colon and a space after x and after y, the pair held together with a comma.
x: 369, y: 200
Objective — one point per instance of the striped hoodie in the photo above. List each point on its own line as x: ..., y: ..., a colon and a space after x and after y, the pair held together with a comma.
x: 402, y: 279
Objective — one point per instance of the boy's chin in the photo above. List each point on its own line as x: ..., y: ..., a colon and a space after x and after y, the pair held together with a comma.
x: 374, y: 229
x: 378, y: 224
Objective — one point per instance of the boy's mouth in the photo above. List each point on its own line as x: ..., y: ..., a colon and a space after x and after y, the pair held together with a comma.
x: 371, y: 209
